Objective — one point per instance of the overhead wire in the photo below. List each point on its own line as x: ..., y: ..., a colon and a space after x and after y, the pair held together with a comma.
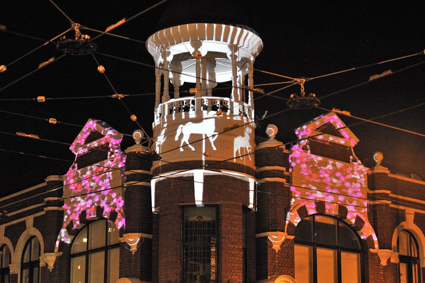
x: 119, y: 98
x: 364, y: 66
x: 35, y: 155
x: 32, y: 72
x: 380, y: 117
x: 32, y: 51
x: 369, y: 81
x: 48, y: 120
x: 63, y: 13
x: 114, y: 35
x: 131, y: 18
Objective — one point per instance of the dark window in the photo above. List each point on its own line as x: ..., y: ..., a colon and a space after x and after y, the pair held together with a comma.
x: 95, y: 253
x: 327, y: 250
x: 200, y: 244
x: 30, y: 264
x: 4, y: 264
x: 409, y: 268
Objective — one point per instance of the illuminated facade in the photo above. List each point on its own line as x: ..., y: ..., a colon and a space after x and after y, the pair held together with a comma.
x: 204, y: 202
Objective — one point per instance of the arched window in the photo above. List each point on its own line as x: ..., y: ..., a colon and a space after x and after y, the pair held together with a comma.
x: 409, y: 267
x: 327, y: 250
x: 95, y: 253
x: 4, y: 264
x: 30, y: 263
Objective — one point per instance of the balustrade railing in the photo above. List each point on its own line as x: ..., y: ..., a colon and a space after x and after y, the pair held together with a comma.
x: 191, y: 104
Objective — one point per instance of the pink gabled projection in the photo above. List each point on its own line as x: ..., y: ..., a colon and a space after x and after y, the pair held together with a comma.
x: 337, y: 183
x: 95, y: 186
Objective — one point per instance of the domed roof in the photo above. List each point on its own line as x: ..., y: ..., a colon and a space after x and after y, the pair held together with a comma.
x: 227, y: 12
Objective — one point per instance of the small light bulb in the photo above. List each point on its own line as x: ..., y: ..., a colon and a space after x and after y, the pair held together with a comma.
x: 101, y: 69
x: 133, y: 118
x: 41, y: 99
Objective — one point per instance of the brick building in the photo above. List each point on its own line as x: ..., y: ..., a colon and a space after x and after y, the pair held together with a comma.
x: 203, y: 202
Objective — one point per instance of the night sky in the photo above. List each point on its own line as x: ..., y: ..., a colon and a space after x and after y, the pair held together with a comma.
x: 302, y: 39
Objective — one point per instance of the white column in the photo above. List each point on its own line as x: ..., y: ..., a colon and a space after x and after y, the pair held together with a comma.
x: 251, y: 82
x: 157, y: 86
x: 166, y: 94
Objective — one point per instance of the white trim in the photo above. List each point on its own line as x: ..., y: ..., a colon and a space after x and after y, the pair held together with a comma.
x: 407, y: 198
x: 23, y: 191
x: 274, y: 179
x: 402, y: 207
x: 52, y: 198
x: 137, y: 183
x: 417, y: 233
x: 271, y: 168
x: 24, y: 218
x: 379, y: 192
x: 379, y: 202
x: 53, y: 208
x: 25, y: 209
x: 130, y: 172
x: 406, y: 179
x: 54, y: 178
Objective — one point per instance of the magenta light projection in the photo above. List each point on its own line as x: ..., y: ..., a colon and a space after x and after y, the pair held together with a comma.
x: 96, y: 185
x: 316, y: 178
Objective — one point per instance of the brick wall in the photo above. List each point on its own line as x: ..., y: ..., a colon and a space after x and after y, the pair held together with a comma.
x: 230, y: 237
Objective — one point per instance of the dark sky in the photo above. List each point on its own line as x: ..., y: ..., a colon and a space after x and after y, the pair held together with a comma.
x: 301, y: 39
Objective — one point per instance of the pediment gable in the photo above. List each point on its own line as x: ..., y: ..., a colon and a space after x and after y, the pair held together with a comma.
x: 328, y: 127
x: 95, y: 133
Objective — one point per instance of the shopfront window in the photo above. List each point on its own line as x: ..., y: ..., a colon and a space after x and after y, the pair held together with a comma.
x: 409, y: 267
x: 327, y: 250
x: 95, y: 253
x: 30, y: 265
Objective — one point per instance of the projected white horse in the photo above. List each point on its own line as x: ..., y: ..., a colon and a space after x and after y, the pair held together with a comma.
x: 242, y: 142
x: 206, y: 127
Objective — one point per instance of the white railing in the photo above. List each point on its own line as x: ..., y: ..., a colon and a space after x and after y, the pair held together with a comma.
x: 194, y: 104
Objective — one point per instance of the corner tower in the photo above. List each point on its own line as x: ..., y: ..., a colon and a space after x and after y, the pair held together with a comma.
x: 203, y: 180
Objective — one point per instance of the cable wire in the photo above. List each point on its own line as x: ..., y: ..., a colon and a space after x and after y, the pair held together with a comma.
x: 131, y: 18
x: 32, y: 72
x: 376, y: 118
x: 32, y: 51
x: 63, y: 13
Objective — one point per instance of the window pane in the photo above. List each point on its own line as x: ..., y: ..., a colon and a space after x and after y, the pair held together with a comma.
x: 415, y: 273
x: 97, y: 267
x: 80, y: 243
x: 97, y: 234
x: 350, y: 267
x: 403, y: 244
x: 26, y: 257
x: 114, y: 265
x: 403, y: 272
x: 304, y: 231
x: 25, y: 275
x: 348, y: 238
x: 6, y: 257
x: 113, y: 234
x: 303, y: 256
x: 35, y: 249
x: 325, y: 230
x: 35, y: 275
x: 78, y: 269
x: 326, y: 266
x: 413, y: 247
x: 200, y: 244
